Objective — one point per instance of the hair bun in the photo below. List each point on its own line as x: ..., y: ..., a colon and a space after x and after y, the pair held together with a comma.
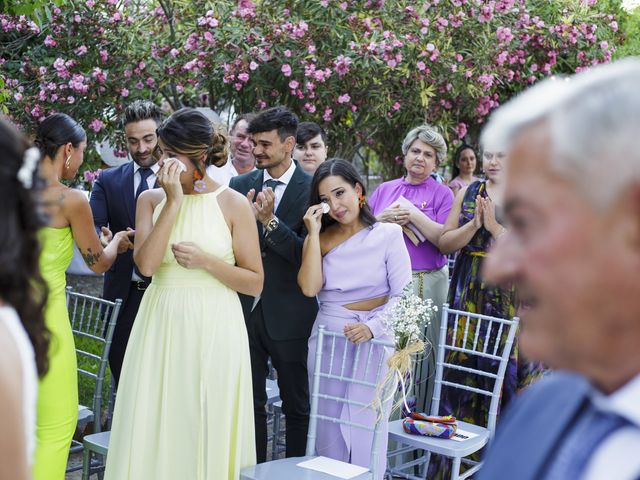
x: 218, y: 152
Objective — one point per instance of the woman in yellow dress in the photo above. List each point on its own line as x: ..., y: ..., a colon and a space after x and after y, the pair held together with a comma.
x: 62, y: 141
x: 184, y: 407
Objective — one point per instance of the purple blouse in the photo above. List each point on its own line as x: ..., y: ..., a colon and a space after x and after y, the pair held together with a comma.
x: 433, y: 199
x: 372, y: 263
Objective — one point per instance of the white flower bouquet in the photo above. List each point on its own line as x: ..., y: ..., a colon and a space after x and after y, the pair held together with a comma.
x: 406, y: 320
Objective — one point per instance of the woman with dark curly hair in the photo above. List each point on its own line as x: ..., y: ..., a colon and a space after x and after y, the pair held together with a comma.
x: 185, y: 402
x: 24, y: 339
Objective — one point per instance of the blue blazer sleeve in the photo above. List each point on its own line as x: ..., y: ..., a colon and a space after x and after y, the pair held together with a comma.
x: 98, y: 203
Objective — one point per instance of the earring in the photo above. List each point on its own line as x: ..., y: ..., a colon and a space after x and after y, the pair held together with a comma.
x: 361, y: 200
x: 199, y: 185
x: 67, y: 162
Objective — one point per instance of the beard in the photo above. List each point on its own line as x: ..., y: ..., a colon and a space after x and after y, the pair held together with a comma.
x: 146, y: 160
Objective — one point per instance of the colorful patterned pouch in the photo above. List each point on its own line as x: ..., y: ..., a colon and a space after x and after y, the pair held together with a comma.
x: 421, y: 424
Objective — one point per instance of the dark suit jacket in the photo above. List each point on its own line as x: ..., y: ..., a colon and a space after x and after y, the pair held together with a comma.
x: 530, y: 433
x: 288, y: 314
x: 113, y: 205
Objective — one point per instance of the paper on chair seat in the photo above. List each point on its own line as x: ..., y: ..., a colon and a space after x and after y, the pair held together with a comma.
x: 333, y: 467
x: 462, y: 435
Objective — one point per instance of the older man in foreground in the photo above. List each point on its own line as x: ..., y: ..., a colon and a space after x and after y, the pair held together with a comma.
x: 572, y: 248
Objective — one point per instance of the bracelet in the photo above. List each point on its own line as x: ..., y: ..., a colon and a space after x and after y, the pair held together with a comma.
x: 504, y: 230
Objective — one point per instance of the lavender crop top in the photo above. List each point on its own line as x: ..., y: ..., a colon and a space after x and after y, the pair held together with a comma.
x: 372, y: 263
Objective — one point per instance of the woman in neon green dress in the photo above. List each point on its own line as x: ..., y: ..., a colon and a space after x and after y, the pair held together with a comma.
x: 62, y: 141
x: 184, y: 408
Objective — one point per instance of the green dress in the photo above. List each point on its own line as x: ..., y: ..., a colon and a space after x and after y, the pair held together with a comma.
x: 57, y: 410
x: 184, y: 408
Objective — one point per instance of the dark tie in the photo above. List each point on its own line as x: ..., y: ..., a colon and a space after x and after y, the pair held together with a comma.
x: 589, y: 432
x: 272, y: 183
x: 144, y: 185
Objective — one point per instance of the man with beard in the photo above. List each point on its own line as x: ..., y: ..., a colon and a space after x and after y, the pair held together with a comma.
x: 113, y: 202
x: 240, y: 151
x: 572, y: 250
x: 279, y: 321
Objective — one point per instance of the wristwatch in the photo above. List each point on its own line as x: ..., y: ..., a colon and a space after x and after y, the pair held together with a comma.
x: 272, y: 224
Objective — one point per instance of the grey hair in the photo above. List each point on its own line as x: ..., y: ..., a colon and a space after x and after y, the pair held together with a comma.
x: 429, y: 135
x: 141, y: 110
x: 593, y: 120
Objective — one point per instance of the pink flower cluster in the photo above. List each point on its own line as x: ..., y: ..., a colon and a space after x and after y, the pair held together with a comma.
x: 91, y: 176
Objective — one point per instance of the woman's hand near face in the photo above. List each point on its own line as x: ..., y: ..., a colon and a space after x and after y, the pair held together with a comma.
x: 169, y: 179
x: 313, y: 219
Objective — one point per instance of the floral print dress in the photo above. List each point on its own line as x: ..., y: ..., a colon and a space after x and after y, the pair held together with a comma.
x: 469, y: 292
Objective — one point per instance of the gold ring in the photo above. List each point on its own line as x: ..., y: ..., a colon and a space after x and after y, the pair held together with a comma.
x: 395, y: 217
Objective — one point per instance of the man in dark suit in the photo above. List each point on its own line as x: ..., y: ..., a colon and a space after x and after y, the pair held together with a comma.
x: 279, y: 321
x: 572, y: 249
x: 113, y: 203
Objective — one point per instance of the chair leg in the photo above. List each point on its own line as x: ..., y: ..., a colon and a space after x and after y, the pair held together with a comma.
x: 425, y: 465
x: 276, y: 434
x: 86, y: 463
x: 455, y: 468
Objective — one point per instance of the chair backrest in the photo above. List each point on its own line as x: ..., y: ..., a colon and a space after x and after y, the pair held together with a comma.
x: 363, y: 365
x: 93, y: 321
x: 483, y: 340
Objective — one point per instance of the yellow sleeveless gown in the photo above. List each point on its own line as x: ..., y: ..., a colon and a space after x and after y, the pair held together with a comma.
x: 184, y: 408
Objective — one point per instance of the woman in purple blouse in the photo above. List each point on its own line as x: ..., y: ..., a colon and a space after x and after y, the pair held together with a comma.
x: 420, y: 205
x: 355, y: 265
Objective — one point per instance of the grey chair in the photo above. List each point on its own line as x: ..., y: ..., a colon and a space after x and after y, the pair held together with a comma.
x: 476, y: 336
x: 92, y: 321
x: 348, y: 368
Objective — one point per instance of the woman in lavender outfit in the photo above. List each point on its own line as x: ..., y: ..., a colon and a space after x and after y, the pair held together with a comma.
x: 355, y: 265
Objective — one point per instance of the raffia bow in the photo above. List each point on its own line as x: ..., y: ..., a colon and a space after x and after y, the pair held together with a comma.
x: 400, y: 367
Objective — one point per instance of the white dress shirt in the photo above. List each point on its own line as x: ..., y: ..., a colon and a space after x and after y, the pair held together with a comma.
x: 151, y: 179
x: 618, y: 458
x: 284, y: 180
x: 225, y: 173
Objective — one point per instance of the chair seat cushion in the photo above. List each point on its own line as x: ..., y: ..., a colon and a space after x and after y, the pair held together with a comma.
x: 442, y: 446
x: 287, y: 468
